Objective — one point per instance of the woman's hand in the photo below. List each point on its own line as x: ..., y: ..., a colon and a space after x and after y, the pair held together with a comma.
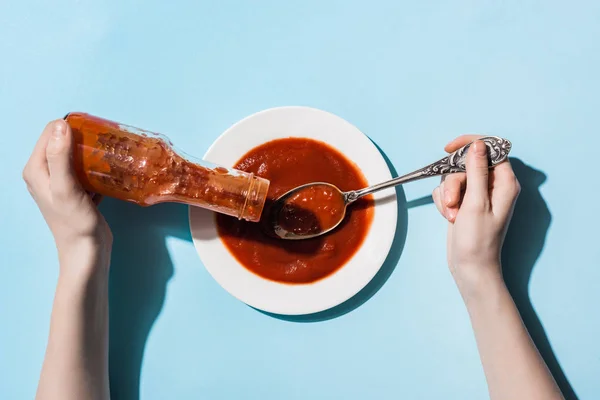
x: 79, y: 230
x: 76, y: 362
x: 478, y: 206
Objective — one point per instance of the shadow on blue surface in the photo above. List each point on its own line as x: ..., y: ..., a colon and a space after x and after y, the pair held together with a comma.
x: 379, y: 279
x: 140, y: 270
x: 523, y: 245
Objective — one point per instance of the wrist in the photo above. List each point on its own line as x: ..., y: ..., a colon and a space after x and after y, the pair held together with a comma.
x: 478, y: 282
x: 83, y: 259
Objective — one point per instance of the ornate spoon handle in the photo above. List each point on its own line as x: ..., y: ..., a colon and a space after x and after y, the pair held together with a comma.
x: 498, y: 149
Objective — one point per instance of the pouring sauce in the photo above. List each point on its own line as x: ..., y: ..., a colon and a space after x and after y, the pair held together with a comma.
x: 142, y: 167
x: 289, y: 163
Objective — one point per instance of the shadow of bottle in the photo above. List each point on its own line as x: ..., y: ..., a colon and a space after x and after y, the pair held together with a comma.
x: 382, y: 275
x: 139, y: 272
x: 523, y: 245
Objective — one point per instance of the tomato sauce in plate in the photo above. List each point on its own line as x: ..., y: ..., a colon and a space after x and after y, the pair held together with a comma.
x: 288, y: 163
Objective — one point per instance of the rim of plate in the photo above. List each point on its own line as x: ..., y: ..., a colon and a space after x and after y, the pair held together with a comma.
x: 286, y: 299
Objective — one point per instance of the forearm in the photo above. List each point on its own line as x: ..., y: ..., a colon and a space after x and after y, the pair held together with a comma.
x: 76, y: 362
x: 513, y: 367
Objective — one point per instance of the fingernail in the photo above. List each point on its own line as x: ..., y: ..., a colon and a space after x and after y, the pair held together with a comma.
x: 59, y: 130
x: 451, y: 214
x: 480, y: 148
x: 55, y: 145
x: 447, y: 197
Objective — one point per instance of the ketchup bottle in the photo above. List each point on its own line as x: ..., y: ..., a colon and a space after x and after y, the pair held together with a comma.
x: 142, y: 167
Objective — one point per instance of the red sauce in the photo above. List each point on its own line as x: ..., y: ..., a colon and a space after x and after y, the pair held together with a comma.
x: 311, y: 210
x: 289, y: 163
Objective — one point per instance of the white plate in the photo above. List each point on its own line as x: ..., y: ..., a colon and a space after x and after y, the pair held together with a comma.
x: 285, y: 122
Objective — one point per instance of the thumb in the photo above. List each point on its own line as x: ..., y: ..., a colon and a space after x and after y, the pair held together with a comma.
x: 477, y: 193
x: 58, y: 154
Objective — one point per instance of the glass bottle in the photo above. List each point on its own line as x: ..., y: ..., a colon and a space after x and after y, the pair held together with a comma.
x: 142, y: 167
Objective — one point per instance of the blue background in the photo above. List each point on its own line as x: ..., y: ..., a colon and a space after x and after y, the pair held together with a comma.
x: 411, y: 75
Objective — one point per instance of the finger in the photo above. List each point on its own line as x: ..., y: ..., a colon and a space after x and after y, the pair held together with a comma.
x: 36, y: 169
x: 477, y: 193
x: 460, y: 142
x: 451, y: 213
x: 443, y: 199
x: 63, y: 183
x: 505, y: 190
x: 454, y: 185
x: 445, y: 210
x: 504, y: 171
x: 436, y: 200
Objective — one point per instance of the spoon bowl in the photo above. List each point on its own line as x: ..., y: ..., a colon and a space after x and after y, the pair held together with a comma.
x: 317, y: 208
x: 308, y: 211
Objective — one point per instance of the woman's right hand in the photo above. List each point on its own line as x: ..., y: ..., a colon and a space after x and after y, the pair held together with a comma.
x: 478, y: 206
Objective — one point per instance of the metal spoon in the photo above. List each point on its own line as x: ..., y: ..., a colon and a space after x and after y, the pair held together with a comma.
x: 498, y: 149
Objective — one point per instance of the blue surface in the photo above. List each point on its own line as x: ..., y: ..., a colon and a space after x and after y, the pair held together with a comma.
x: 412, y: 75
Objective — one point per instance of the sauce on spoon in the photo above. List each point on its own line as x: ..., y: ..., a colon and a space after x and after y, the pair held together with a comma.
x: 311, y: 210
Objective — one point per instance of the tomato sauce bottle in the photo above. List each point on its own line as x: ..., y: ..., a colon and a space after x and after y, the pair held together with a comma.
x: 142, y: 167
